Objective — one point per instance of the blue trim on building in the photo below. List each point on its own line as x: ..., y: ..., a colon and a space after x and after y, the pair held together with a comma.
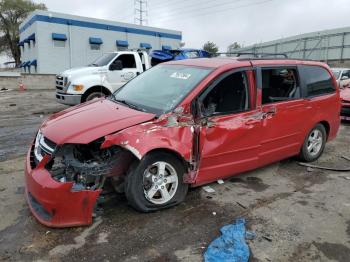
x: 65, y: 21
x: 145, y: 45
x: 166, y: 47
x: 59, y: 37
x: 95, y: 41
x: 31, y: 37
x: 122, y: 43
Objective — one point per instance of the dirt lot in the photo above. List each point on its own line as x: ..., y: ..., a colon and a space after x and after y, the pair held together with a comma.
x: 297, y: 214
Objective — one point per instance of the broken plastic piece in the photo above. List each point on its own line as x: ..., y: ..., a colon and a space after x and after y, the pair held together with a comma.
x: 208, y: 189
x: 220, y: 181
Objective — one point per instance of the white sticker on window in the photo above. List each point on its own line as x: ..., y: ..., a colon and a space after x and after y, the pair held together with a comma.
x: 180, y: 75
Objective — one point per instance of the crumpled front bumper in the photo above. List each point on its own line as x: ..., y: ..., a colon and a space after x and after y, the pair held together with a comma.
x: 53, y: 203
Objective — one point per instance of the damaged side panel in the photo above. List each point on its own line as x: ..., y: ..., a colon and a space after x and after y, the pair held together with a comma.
x: 172, y: 132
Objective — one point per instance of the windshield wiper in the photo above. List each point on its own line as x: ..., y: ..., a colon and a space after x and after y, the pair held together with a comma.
x: 124, y: 102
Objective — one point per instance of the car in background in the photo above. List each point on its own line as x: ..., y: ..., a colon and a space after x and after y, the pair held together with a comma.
x: 179, y: 124
x: 343, y: 77
x: 165, y: 55
x: 345, y: 103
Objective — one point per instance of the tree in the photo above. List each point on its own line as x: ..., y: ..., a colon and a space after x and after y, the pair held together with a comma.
x: 211, y: 48
x: 233, y: 46
x: 12, y: 14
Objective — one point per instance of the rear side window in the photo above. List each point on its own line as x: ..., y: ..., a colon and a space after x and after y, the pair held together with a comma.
x: 279, y: 84
x: 318, y: 81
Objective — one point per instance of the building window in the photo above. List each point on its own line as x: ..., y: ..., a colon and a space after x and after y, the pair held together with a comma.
x: 281, y: 84
x: 59, y: 43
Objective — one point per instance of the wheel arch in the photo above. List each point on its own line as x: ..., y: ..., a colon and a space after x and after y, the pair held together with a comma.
x: 171, y: 152
x: 327, y: 126
x: 96, y: 88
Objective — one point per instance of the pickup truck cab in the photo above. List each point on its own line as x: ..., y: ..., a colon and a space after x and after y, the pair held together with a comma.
x: 180, y: 124
x: 100, y: 78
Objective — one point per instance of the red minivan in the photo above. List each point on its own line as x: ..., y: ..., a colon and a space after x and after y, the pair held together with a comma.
x: 179, y: 124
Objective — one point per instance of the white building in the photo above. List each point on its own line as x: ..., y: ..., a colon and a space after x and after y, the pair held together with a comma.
x: 53, y: 42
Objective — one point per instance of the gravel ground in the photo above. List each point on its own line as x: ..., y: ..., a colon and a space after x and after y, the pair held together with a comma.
x: 297, y: 214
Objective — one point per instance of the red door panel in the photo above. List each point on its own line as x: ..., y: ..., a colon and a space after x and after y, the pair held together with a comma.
x: 229, y: 145
x: 283, y: 131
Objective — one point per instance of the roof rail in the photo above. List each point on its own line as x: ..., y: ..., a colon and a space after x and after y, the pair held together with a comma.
x: 253, y: 54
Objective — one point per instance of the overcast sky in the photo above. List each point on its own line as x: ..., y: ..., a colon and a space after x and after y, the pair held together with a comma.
x: 221, y: 21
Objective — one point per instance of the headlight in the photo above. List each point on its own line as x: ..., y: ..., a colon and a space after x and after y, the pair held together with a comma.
x: 78, y: 87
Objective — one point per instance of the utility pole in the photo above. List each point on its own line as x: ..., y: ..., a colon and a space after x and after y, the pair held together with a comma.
x: 140, y: 12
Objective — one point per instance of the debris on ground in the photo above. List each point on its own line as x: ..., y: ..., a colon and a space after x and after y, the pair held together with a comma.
x: 340, y: 169
x: 241, y: 205
x: 347, y: 177
x: 231, y: 245
x: 346, y: 158
x: 4, y: 89
x: 250, y: 235
x: 214, y: 213
x: 208, y: 189
x: 267, y: 238
x: 12, y: 105
x: 310, y: 169
x: 220, y: 181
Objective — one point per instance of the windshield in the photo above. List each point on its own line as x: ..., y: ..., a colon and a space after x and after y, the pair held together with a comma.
x: 161, y: 88
x: 336, y: 73
x: 103, y: 60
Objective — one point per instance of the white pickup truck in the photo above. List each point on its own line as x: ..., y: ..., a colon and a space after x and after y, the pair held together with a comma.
x: 101, y: 78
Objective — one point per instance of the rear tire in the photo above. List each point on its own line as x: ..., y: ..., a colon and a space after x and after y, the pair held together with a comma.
x: 314, y: 144
x: 156, y: 182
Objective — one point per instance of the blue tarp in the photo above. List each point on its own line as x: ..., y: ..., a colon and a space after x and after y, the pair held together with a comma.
x: 231, y: 246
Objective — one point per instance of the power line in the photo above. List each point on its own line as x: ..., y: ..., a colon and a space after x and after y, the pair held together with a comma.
x: 166, y: 3
x: 213, y: 12
x: 141, y: 14
x: 176, y: 10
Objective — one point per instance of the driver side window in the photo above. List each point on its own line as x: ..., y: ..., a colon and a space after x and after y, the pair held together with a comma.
x: 229, y: 95
x: 128, y: 60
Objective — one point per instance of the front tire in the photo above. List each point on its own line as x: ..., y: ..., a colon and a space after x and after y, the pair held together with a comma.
x: 94, y: 95
x: 156, y: 182
x: 314, y: 144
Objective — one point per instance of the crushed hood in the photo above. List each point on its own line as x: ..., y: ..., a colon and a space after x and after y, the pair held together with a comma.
x: 345, y: 94
x: 87, y: 122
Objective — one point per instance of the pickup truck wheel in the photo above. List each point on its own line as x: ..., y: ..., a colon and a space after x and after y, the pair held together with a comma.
x: 156, y: 182
x: 94, y: 95
x: 314, y: 144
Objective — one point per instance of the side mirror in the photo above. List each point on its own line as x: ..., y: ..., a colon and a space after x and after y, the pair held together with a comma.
x: 116, y: 65
x: 344, y: 78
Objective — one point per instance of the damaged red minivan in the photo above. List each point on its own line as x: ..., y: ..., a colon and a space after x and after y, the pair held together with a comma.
x: 179, y: 124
